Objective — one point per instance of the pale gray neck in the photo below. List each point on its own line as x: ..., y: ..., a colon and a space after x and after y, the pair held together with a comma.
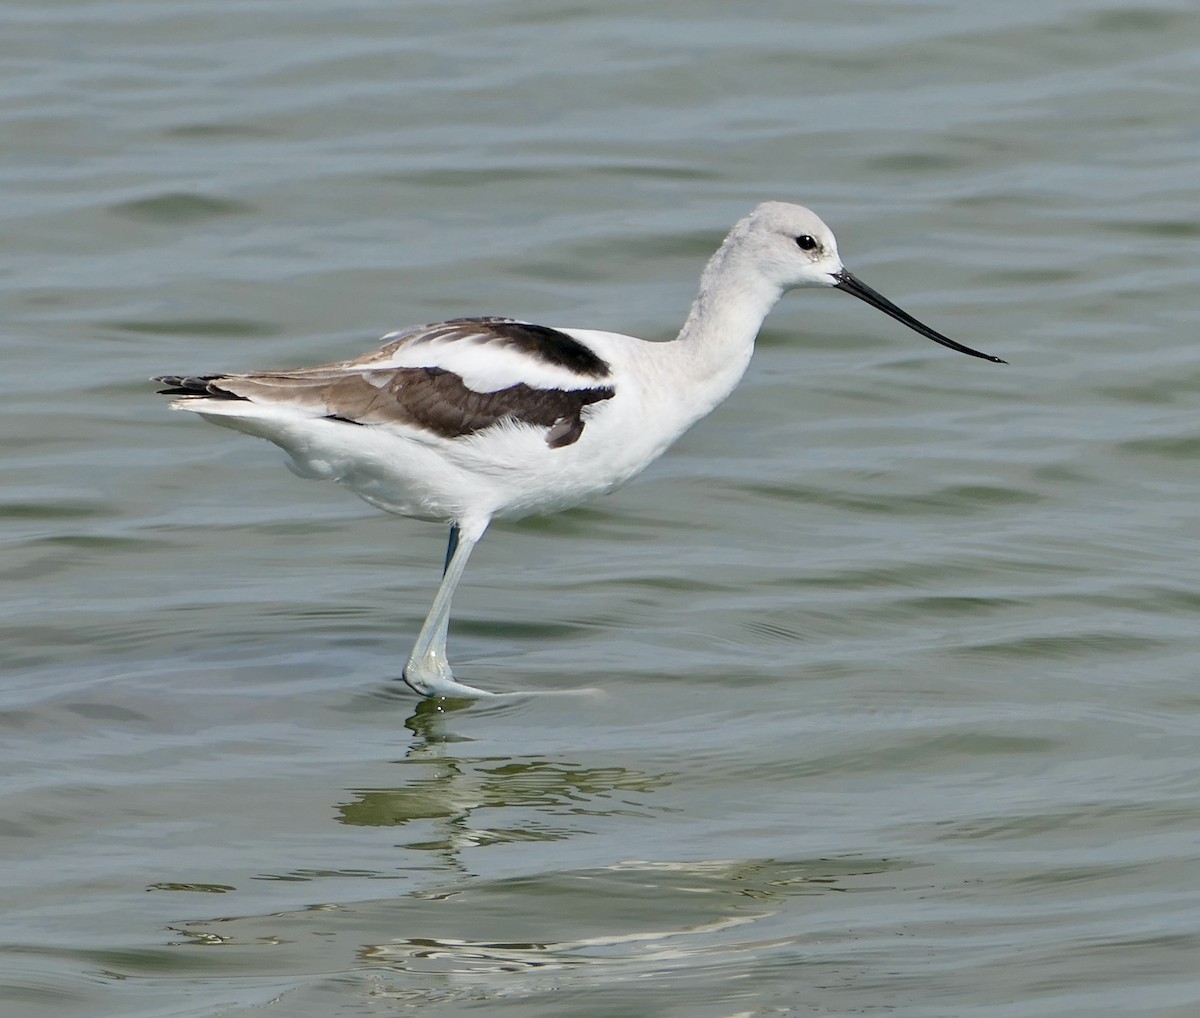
x: 717, y: 339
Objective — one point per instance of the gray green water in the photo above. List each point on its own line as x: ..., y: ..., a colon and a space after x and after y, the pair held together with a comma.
x: 898, y: 653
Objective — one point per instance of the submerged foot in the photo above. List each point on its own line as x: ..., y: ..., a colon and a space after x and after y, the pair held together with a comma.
x: 447, y: 687
x: 438, y: 681
x: 430, y: 675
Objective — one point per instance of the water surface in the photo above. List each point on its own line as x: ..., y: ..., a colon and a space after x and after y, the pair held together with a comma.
x: 889, y: 671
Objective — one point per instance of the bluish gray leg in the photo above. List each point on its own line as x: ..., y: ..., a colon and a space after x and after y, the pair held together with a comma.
x: 428, y: 670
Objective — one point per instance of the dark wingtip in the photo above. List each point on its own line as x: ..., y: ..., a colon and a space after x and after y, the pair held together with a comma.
x: 186, y: 385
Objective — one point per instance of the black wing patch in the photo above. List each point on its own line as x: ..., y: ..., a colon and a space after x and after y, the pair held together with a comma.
x: 537, y: 342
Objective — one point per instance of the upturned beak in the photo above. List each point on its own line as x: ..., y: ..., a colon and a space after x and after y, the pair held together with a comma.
x: 852, y: 284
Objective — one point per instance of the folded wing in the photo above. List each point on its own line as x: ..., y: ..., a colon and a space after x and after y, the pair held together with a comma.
x: 451, y: 379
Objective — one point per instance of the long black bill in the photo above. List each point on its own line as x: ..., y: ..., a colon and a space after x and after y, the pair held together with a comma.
x: 852, y: 284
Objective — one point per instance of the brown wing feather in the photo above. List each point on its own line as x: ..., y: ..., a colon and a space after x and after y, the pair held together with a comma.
x: 433, y: 399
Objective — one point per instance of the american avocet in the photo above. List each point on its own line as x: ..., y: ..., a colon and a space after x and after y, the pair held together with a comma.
x: 476, y: 419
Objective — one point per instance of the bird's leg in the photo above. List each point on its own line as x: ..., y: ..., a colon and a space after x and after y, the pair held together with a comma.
x: 428, y: 670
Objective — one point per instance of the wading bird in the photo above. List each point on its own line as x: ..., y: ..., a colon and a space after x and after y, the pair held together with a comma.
x: 476, y: 419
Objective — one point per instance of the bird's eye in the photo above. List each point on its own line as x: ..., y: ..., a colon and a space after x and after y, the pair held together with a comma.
x: 806, y: 243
